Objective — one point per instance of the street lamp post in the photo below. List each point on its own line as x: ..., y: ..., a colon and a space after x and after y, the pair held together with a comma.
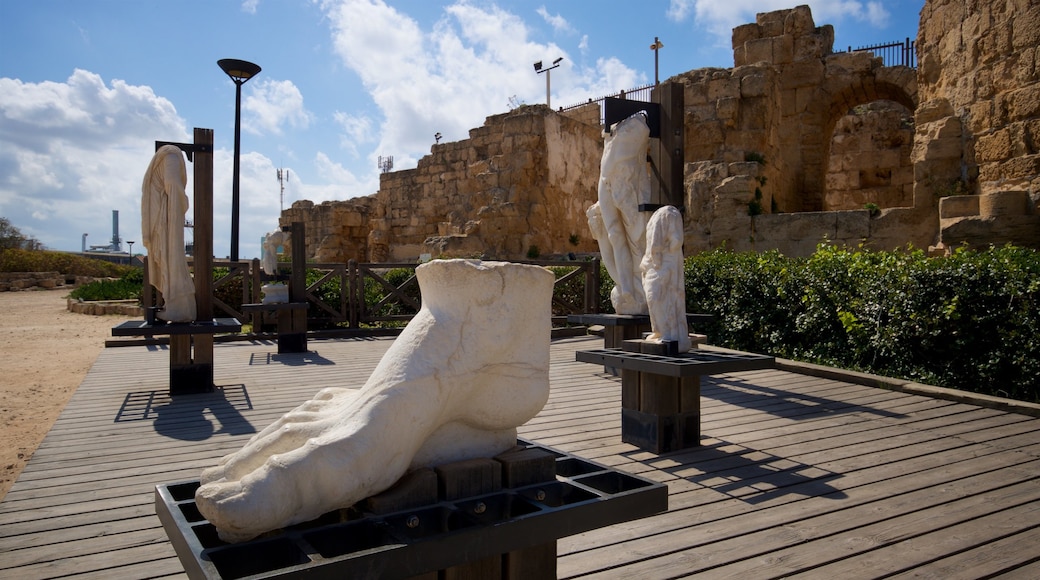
x: 240, y: 71
x: 656, y: 46
x: 130, y: 251
x: 539, y: 70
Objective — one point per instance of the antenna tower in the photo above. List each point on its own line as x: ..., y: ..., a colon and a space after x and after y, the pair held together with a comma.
x: 386, y: 163
x: 283, y: 178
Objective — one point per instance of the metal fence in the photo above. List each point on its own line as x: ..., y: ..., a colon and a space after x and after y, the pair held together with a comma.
x: 893, y: 53
x: 637, y: 94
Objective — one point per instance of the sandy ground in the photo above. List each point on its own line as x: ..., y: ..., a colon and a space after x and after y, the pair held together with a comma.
x: 45, y: 351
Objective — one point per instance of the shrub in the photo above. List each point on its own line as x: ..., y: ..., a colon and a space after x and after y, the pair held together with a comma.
x: 967, y: 321
x: 126, y: 288
x: 16, y: 260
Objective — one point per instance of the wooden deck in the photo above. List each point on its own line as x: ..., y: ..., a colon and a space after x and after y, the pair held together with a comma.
x: 797, y: 475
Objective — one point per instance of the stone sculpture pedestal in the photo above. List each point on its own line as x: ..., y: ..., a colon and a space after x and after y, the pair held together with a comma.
x: 482, y: 518
x: 661, y: 393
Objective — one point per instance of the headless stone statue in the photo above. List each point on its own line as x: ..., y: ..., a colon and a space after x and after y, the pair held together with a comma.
x: 615, y: 219
x: 163, y: 205
x: 663, y: 278
x: 272, y: 240
x: 471, y: 366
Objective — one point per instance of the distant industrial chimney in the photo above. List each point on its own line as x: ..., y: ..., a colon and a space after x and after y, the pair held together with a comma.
x: 116, y: 242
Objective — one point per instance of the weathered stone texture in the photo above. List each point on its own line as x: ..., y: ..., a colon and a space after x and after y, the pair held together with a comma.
x: 518, y: 186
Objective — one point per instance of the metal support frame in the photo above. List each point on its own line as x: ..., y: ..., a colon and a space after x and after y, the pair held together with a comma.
x: 664, y: 117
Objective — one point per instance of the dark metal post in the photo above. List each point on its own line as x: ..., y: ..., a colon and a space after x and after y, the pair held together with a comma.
x: 240, y: 71
x: 234, y: 175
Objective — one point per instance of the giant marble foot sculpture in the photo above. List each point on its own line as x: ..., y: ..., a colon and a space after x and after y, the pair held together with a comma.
x: 467, y: 370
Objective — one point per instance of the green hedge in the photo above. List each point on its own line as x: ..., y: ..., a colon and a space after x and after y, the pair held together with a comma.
x: 15, y: 260
x: 969, y: 321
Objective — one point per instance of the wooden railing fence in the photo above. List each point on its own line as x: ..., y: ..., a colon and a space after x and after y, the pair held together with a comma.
x: 357, y: 295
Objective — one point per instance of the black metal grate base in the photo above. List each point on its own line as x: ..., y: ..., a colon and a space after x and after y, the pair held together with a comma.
x: 350, y: 543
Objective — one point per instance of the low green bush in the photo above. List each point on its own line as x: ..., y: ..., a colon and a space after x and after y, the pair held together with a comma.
x: 967, y: 321
x: 128, y: 287
x: 16, y: 260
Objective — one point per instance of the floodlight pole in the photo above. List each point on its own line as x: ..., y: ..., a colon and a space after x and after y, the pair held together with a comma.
x: 240, y: 71
x: 656, y: 46
x: 539, y: 70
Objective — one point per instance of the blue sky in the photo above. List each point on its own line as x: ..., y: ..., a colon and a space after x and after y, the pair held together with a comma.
x: 88, y: 86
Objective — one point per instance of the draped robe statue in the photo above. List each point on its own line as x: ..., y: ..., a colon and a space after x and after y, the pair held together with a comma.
x: 163, y: 205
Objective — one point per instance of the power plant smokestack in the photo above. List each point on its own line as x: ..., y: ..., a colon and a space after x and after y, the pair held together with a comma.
x: 116, y: 242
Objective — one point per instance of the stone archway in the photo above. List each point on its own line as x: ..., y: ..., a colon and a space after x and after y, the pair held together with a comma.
x: 875, y: 166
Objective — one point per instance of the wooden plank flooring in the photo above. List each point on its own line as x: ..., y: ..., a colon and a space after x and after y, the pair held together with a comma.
x: 797, y: 476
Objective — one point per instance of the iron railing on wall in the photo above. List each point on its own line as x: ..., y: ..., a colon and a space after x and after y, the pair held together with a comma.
x: 893, y: 53
x: 637, y: 94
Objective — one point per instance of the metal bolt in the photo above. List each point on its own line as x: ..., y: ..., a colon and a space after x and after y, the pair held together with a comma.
x: 480, y: 508
x: 412, y: 522
x: 539, y: 495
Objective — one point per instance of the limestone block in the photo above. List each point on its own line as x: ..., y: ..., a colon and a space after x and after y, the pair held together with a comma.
x: 1003, y: 203
x: 737, y: 185
x: 1026, y: 28
x: 760, y: 50
x: 757, y: 84
x: 726, y: 109
x: 1025, y: 103
x: 956, y: 206
x: 805, y: 73
x: 740, y: 56
x: 799, y: 21
x: 809, y: 48
x: 993, y: 147
x: 805, y: 97
x: 783, y: 49
x: 852, y: 225
x: 744, y: 33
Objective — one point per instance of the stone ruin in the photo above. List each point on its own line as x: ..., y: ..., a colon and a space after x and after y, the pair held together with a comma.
x: 793, y: 145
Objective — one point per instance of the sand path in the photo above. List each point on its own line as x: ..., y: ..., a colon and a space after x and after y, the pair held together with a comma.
x: 45, y: 351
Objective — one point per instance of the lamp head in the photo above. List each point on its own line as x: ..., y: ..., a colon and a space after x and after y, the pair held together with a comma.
x: 538, y: 66
x: 240, y: 71
x: 557, y: 61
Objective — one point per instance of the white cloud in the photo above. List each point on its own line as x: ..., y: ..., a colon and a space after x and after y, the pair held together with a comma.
x: 449, y: 78
x: 356, y: 130
x: 559, y: 23
x: 273, y: 104
x: 720, y: 16
x: 73, y: 151
x: 678, y: 10
x: 249, y: 6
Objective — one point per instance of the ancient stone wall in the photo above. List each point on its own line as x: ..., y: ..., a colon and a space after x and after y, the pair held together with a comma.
x: 980, y: 92
x: 759, y: 139
x: 518, y: 187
